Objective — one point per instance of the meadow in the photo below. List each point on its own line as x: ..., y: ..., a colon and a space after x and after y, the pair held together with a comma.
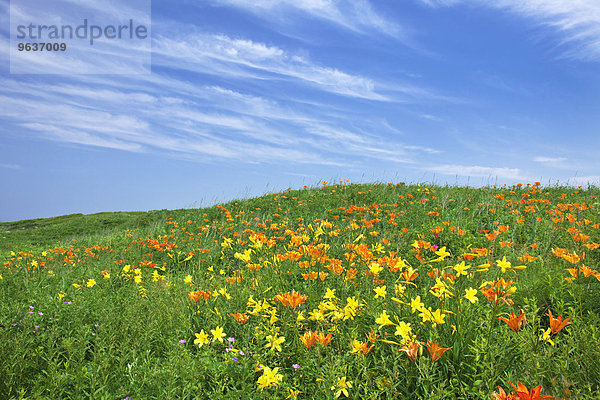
x: 360, y: 291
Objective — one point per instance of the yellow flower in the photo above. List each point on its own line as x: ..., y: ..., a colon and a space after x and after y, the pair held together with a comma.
x: 416, y: 304
x: 223, y: 292
x: 403, y: 329
x: 383, y: 320
x: 137, y: 279
x: 188, y: 280
x: 375, y: 268
x: 218, y: 334
x: 380, y: 291
x: 461, y: 269
x: 275, y: 342
x: 471, y: 295
x: 201, y: 338
x: 61, y: 295
x: 546, y: 336
x: 91, y: 283
x: 342, y: 387
x: 442, y: 253
x: 437, y: 318
x: 329, y: 294
x: 270, y: 377
x: 503, y: 264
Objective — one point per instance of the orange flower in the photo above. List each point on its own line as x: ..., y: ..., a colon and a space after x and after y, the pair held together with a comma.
x: 435, y: 351
x: 529, y: 394
x: 515, y: 323
x: 194, y: 296
x: 311, y: 338
x: 502, y: 395
x: 556, y: 324
x: 412, y: 350
x: 242, y: 318
x: 292, y: 299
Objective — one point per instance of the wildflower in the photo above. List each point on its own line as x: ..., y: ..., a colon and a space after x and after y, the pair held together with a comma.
x: 471, y: 295
x: 556, y: 324
x: 513, y: 321
x: 218, y: 334
x: 375, y: 268
x: 329, y: 294
x: 194, y: 296
x: 106, y: 274
x: 182, y: 341
x: 295, y: 366
x: 529, y: 394
x: 242, y: 318
x: 309, y: 339
x: 360, y: 347
x: 274, y: 342
x: 412, y: 350
x: 383, y: 320
x: 404, y: 330
x: 416, y: 304
x: 201, y: 338
x: 435, y: 351
x: 91, y: 283
x: 188, y: 280
x: 461, y: 269
x: 545, y: 336
x: 380, y: 291
x: 292, y: 299
x: 269, y: 378
x: 502, y: 395
x: 342, y: 387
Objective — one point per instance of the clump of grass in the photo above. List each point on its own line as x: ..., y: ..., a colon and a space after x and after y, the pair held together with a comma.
x: 359, y: 291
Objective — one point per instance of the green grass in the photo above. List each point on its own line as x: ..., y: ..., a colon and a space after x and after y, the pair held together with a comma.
x: 103, y: 306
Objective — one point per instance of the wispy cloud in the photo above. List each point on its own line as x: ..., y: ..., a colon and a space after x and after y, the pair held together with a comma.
x: 577, y: 21
x: 242, y: 59
x: 358, y: 16
x: 549, y: 159
x: 478, y: 171
x: 10, y: 166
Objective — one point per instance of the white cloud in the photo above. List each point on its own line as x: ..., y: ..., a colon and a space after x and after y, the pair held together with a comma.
x: 478, y: 171
x: 358, y: 15
x: 10, y: 166
x: 577, y: 21
x: 549, y: 159
x: 242, y: 59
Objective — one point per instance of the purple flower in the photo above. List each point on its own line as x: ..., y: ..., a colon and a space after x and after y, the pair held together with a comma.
x: 230, y: 339
x: 182, y: 341
x: 31, y: 307
x: 30, y: 312
x: 234, y: 359
x: 295, y: 366
x: 242, y: 353
x: 96, y: 325
x: 40, y: 313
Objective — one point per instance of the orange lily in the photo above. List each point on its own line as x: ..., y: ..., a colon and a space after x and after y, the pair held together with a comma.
x: 412, y: 350
x: 556, y: 324
x: 242, y: 318
x: 529, y: 394
x: 435, y: 351
x: 515, y: 322
x: 311, y: 338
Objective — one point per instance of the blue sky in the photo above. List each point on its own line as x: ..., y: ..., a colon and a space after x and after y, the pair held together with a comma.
x: 246, y: 97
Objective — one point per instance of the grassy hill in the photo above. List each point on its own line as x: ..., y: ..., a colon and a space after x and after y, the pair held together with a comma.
x: 359, y: 291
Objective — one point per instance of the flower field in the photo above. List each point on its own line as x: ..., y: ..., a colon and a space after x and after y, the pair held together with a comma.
x: 381, y: 291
